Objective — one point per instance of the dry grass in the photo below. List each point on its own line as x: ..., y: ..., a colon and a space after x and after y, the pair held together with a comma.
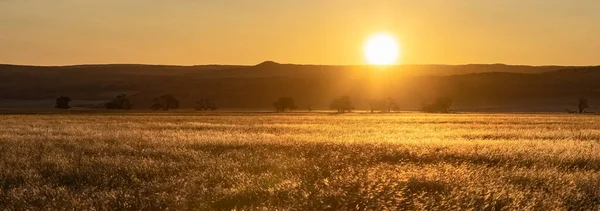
x: 308, y: 162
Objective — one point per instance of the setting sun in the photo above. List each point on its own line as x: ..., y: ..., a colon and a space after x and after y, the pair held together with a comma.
x: 381, y: 49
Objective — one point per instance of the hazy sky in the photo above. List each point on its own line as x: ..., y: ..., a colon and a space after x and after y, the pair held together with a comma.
x: 57, y: 32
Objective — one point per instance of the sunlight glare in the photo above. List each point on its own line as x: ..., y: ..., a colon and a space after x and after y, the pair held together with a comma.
x: 381, y: 49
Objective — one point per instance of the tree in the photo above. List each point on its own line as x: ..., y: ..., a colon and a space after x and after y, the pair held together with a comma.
x: 62, y: 102
x: 384, y: 105
x: 342, y: 104
x: 284, y: 103
x: 165, y: 102
x: 583, y: 104
x: 375, y: 105
x: 441, y: 105
x: 205, y: 104
x: 120, y: 102
x: 391, y: 105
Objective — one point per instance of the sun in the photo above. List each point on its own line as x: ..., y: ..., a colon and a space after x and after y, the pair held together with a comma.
x: 381, y: 49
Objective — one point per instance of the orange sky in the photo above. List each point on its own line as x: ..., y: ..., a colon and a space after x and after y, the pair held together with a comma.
x: 188, y: 32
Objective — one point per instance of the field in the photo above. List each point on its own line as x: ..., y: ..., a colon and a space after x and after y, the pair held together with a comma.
x: 224, y: 161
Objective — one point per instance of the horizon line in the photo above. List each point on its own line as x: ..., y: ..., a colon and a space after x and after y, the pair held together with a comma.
x: 299, y: 64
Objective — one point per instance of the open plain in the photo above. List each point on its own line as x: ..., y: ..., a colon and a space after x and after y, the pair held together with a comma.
x: 306, y: 161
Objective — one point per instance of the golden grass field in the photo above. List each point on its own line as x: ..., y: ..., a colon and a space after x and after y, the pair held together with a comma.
x: 224, y: 161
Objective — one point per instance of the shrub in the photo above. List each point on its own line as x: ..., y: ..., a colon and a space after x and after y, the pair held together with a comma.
x: 62, y: 102
x: 284, y: 104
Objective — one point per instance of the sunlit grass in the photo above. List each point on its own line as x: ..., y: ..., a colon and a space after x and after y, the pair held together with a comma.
x: 309, y: 162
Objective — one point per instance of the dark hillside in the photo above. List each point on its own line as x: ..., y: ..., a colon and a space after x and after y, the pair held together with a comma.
x: 473, y: 87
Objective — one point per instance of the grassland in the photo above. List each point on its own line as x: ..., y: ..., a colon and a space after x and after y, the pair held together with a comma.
x: 300, y: 161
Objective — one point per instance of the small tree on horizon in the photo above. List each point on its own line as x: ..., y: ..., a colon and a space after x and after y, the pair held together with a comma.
x: 284, y: 104
x: 120, y: 102
x: 165, y: 102
x: 441, y: 105
x: 206, y: 104
x: 342, y: 104
x: 583, y: 104
x: 62, y: 102
x: 375, y: 105
x: 392, y: 105
x: 384, y: 105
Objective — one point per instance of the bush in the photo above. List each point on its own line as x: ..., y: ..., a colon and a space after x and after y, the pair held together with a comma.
x: 62, y: 102
x: 284, y: 103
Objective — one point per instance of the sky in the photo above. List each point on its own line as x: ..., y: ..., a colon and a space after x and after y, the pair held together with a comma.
x: 191, y: 32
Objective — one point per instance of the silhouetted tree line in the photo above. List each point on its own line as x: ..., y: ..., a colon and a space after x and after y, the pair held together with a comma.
x: 341, y: 105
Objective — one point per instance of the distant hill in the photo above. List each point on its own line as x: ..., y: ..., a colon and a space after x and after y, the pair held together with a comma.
x: 495, y: 87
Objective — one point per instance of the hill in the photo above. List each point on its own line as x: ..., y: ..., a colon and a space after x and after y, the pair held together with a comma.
x: 495, y: 87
